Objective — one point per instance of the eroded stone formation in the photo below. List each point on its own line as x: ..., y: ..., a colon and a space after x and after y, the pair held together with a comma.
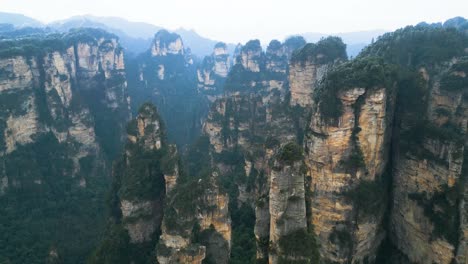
x: 360, y: 161
x: 213, y: 72
x: 64, y: 105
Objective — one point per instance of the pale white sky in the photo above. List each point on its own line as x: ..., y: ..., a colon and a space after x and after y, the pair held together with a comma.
x: 241, y: 20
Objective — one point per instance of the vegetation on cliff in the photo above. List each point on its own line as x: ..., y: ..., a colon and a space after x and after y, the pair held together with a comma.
x: 368, y: 73
x: 38, y: 45
x: 324, y: 51
x: 416, y: 46
x: 138, y: 177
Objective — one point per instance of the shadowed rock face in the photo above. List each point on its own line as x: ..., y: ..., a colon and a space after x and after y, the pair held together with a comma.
x: 428, y: 219
x: 166, y: 76
x: 142, y: 215
x: 213, y: 71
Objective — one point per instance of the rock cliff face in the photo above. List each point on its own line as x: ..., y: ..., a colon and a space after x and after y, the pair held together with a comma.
x: 213, y: 72
x: 334, y: 160
x: 66, y: 94
x: 143, y: 177
x: 429, y: 138
x: 304, y: 78
x: 238, y: 127
x: 428, y: 200
x: 343, y: 157
x: 304, y: 157
x: 166, y: 43
x: 142, y: 216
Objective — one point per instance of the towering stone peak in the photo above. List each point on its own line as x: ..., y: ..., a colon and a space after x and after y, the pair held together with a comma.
x: 251, y: 55
x: 196, y: 223
x: 143, y: 177
x: 222, y: 62
x: 309, y: 64
x: 143, y: 206
x: 347, y: 153
x: 213, y: 71
x: 145, y: 129
x: 166, y: 43
x: 220, y: 48
x: 166, y: 76
x: 237, y: 52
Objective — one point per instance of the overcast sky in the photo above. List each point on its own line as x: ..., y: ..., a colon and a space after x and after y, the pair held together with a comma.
x: 240, y: 20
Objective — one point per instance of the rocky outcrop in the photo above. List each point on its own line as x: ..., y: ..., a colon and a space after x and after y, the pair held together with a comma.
x: 203, y: 231
x: 251, y: 56
x: 304, y: 78
x: 287, y: 204
x: 64, y: 105
x: 166, y: 43
x: 427, y: 210
x: 142, y: 212
x: 222, y: 62
x: 213, y: 72
x: 63, y: 78
x: 143, y: 178
x: 309, y: 66
x: 344, y: 157
x: 252, y: 124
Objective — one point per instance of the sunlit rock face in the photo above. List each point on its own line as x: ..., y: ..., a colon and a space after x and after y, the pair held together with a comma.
x: 63, y: 111
x: 58, y: 74
x: 330, y: 147
x: 254, y: 122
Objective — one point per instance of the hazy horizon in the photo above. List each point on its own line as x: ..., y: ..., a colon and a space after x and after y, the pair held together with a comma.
x: 232, y: 21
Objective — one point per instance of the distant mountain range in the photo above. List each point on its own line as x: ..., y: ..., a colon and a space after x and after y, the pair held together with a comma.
x: 136, y: 36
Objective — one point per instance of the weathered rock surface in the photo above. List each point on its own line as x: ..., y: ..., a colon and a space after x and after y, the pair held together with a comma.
x: 426, y: 211
x: 329, y: 146
x: 63, y: 108
x: 213, y: 72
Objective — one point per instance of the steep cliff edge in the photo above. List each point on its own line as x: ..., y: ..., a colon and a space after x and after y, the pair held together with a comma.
x: 64, y: 102
x: 347, y: 152
x: 427, y: 214
x: 142, y: 176
x: 213, y: 71
x: 251, y: 130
